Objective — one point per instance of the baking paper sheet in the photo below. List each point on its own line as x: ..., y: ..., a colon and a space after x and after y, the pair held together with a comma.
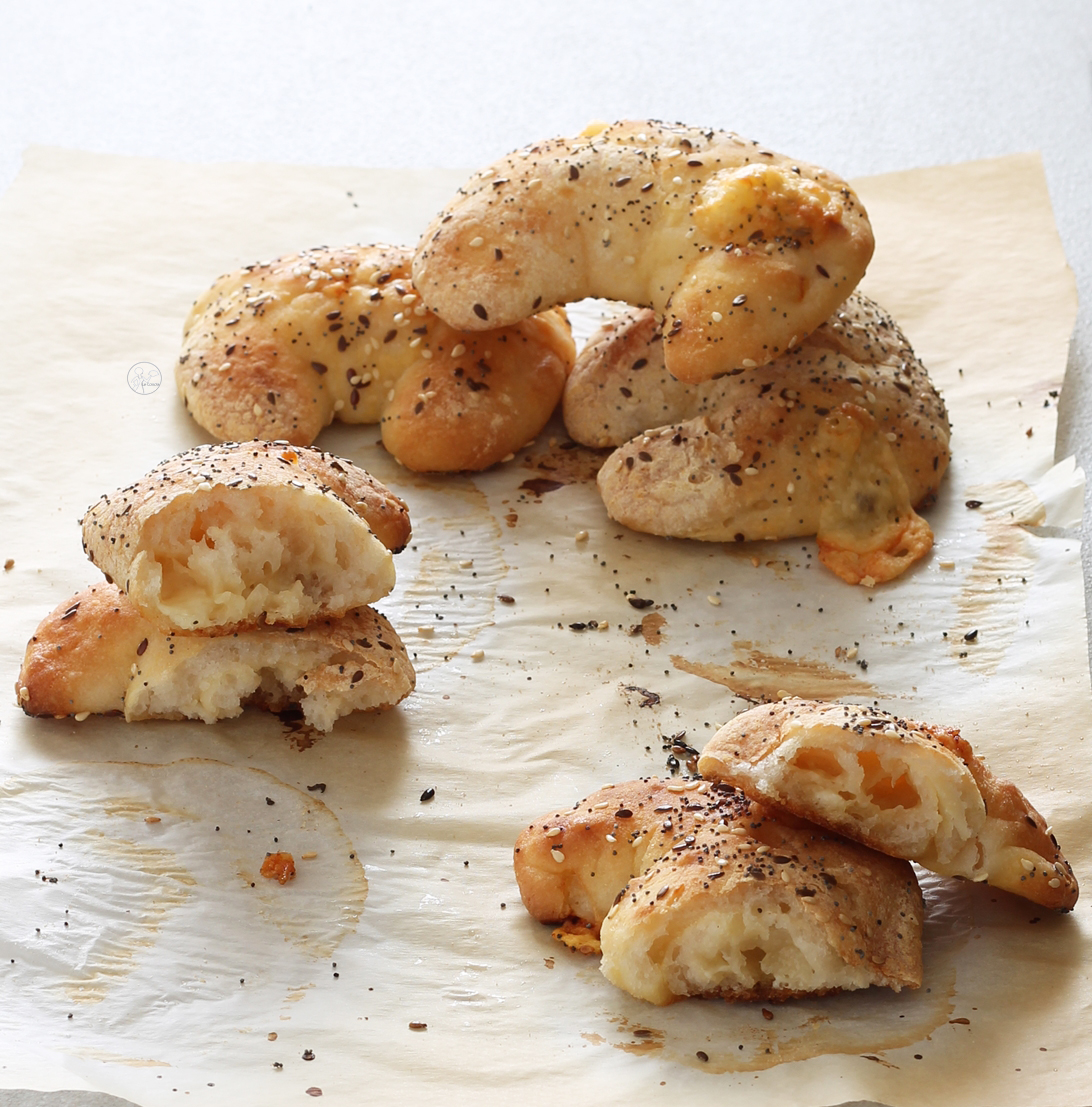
x: 140, y: 952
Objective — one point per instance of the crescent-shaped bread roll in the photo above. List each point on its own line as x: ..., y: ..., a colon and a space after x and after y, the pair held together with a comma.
x: 694, y: 889
x: 740, y: 250
x: 841, y: 438
x: 97, y: 654
x: 908, y: 789
x: 230, y: 536
x: 281, y: 349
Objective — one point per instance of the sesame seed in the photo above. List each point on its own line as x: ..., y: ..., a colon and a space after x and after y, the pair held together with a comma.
x: 81, y: 716
x: 557, y: 855
x: 553, y: 832
x: 459, y: 350
x: 426, y: 631
x: 476, y: 241
x: 581, y: 536
x: 478, y: 655
x: 748, y: 363
x: 714, y: 600
x: 717, y: 317
x: 1028, y: 865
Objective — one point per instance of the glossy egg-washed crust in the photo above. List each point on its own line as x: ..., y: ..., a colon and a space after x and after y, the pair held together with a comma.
x: 1017, y: 850
x: 94, y: 651
x: 741, y: 251
x: 280, y: 349
x: 645, y: 853
x: 841, y: 437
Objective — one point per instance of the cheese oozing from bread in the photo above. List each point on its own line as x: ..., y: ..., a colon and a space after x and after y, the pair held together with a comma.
x: 909, y: 789
x: 242, y: 534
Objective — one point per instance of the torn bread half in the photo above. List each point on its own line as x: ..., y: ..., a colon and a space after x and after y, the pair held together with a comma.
x: 695, y: 889
x: 909, y: 789
x: 97, y: 654
x: 239, y: 534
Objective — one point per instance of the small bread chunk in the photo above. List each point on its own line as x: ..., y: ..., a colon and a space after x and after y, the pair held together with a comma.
x: 739, y: 250
x: 280, y: 349
x: 911, y: 790
x: 841, y: 438
x: 96, y: 654
x: 694, y: 889
x: 230, y: 536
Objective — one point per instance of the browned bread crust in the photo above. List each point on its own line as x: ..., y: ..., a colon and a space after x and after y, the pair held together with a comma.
x: 281, y: 349
x: 842, y: 437
x: 694, y: 889
x: 908, y: 789
x: 234, y: 535
x: 96, y: 654
x: 740, y: 250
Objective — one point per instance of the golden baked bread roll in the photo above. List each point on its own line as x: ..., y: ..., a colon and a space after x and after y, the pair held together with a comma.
x: 231, y: 536
x: 694, y: 889
x: 740, y: 250
x: 911, y: 790
x: 841, y: 437
x: 281, y: 349
x: 97, y: 654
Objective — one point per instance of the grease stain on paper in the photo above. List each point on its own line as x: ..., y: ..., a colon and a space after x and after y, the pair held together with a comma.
x: 121, y: 1059
x: 996, y: 587
x: 135, y: 860
x: 456, y: 564
x: 157, y: 879
x: 761, y: 677
x: 652, y: 626
x: 567, y: 463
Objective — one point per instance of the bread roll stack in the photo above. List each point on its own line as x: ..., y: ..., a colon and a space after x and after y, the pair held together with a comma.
x: 236, y: 574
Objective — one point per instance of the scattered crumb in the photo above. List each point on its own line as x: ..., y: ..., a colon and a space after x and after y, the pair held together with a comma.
x: 279, y: 866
